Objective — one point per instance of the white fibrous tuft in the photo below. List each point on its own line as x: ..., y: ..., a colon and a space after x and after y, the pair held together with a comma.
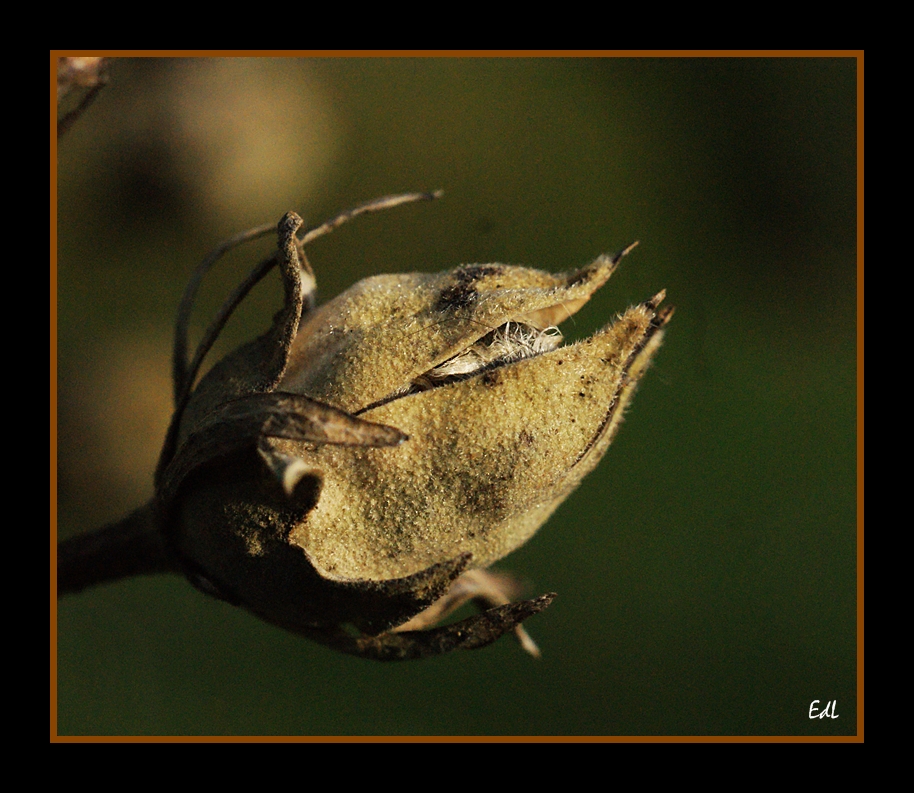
x: 511, y: 342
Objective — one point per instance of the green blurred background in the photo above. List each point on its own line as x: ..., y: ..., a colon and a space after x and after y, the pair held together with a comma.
x: 705, y: 570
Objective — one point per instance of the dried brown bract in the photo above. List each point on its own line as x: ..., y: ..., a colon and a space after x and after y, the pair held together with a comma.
x: 352, y: 473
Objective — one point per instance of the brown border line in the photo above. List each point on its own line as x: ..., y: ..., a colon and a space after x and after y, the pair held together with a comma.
x: 857, y: 54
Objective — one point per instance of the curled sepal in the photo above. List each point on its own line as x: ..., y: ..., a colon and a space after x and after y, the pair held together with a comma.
x: 255, y: 367
x: 469, y: 634
x: 247, y: 420
x: 486, y: 589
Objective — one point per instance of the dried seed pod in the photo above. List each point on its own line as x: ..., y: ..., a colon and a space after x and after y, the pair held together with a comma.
x: 363, y: 463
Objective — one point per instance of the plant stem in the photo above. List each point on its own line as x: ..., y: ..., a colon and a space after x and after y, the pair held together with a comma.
x: 131, y: 546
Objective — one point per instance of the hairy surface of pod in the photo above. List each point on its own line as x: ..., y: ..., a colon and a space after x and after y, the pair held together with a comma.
x: 444, y: 422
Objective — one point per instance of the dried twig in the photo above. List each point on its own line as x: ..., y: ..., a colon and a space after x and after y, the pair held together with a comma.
x: 79, y: 81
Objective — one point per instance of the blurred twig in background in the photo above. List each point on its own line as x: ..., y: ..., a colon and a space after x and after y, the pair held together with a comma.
x: 78, y: 82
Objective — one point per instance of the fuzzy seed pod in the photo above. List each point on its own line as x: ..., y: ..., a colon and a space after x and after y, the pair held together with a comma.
x: 363, y: 463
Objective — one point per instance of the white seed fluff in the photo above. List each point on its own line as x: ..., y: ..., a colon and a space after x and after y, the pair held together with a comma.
x: 511, y: 342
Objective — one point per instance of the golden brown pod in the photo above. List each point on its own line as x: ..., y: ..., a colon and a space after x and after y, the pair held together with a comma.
x: 351, y: 474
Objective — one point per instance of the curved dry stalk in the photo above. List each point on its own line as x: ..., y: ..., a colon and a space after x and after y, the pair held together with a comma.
x: 128, y: 547
x: 79, y: 81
